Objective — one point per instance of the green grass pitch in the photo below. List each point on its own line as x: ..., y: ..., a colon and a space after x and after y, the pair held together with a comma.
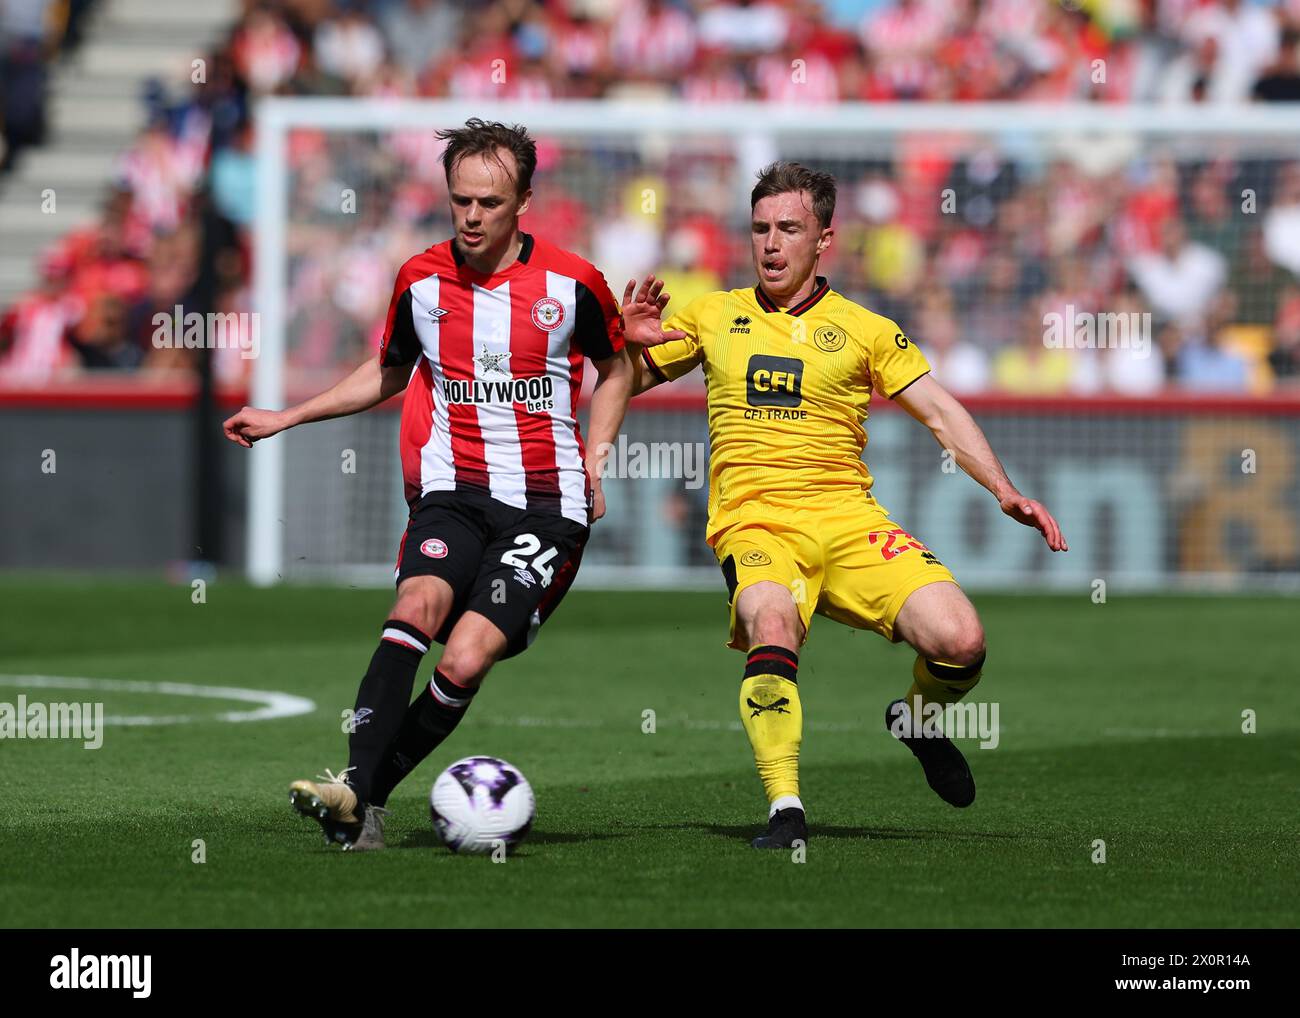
x: 1120, y: 722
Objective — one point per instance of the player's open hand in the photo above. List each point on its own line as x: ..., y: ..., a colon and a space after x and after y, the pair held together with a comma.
x: 250, y: 424
x: 1034, y: 514
x: 643, y: 310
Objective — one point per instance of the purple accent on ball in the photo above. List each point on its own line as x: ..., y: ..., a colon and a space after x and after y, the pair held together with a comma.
x: 504, y: 778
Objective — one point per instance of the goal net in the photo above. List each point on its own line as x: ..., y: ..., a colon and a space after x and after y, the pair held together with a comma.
x: 1111, y: 290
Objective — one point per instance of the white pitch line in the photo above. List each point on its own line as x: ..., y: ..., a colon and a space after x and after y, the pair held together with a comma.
x: 286, y: 705
x: 274, y: 705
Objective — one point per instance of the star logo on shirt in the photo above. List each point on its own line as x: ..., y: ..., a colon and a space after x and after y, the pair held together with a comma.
x: 490, y: 361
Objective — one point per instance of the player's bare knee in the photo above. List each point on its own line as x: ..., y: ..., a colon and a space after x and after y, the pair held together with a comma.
x: 775, y: 630
x: 465, y: 666
x: 421, y: 602
x: 963, y: 645
x: 775, y: 624
x: 768, y: 615
x: 417, y: 608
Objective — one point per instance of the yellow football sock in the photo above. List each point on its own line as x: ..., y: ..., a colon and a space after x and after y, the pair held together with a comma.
x: 938, y: 682
x: 773, y: 718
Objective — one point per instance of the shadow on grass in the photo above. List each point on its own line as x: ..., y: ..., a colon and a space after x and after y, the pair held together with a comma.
x: 427, y: 839
x: 749, y: 831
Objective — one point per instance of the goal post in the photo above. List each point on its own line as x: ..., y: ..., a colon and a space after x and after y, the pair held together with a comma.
x: 1189, y: 491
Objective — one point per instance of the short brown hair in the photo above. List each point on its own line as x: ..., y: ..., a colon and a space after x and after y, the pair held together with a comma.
x: 781, y: 178
x: 482, y: 137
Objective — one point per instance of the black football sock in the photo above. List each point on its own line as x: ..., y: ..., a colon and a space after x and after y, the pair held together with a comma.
x: 431, y: 717
x: 382, y: 700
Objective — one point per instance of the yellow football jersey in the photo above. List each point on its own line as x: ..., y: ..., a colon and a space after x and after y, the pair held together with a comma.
x: 789, y: 391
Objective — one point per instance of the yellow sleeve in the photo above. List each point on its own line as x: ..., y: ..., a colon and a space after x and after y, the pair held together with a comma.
x: 895, y: 360
x: 673, y: 359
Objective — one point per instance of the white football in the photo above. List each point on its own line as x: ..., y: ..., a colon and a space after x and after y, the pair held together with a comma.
x: 481, y: 803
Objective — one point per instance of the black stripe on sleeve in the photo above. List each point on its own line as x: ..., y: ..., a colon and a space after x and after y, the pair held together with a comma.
x: 911, y: 383
x: 654, y: 368
x: 591, y: 328
x: 402, y: 345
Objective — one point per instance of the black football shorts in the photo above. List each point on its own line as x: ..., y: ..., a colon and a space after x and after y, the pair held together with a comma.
x: 512, y: 566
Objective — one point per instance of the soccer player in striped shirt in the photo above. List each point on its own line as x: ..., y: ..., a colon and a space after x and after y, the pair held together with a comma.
x: 486, y: 333
x: 791, y: 366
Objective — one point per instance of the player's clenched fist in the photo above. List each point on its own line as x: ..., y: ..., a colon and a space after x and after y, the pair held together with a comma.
x: 642, y: 310
x: 250, y: 424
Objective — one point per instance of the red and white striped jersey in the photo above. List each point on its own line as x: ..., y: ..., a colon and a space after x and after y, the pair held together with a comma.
x: 493, y: 399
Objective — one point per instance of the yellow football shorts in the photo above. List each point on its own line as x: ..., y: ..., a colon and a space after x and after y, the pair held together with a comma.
x: 854, y: 565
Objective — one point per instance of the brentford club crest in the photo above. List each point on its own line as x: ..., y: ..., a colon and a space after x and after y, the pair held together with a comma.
x: 548, y: 314
x: 434, y: 548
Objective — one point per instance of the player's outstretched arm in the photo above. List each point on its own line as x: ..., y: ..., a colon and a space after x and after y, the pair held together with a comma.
x: 643, y: 310
x: 608, y: 407
x: 368, y: 386
x: 955, y: 430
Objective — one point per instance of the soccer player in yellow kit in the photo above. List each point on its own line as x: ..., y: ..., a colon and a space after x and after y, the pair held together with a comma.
x: 790, y: 366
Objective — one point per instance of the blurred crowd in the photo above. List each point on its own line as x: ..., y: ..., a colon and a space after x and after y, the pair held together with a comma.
x: 33, y: 35
x: 1200, y: 248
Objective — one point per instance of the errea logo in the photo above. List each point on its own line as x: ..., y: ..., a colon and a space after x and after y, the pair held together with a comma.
x: 73, y: 971
x: 740, y: 324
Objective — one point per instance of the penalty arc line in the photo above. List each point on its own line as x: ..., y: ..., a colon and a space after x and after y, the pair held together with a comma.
x: 274, y: 705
